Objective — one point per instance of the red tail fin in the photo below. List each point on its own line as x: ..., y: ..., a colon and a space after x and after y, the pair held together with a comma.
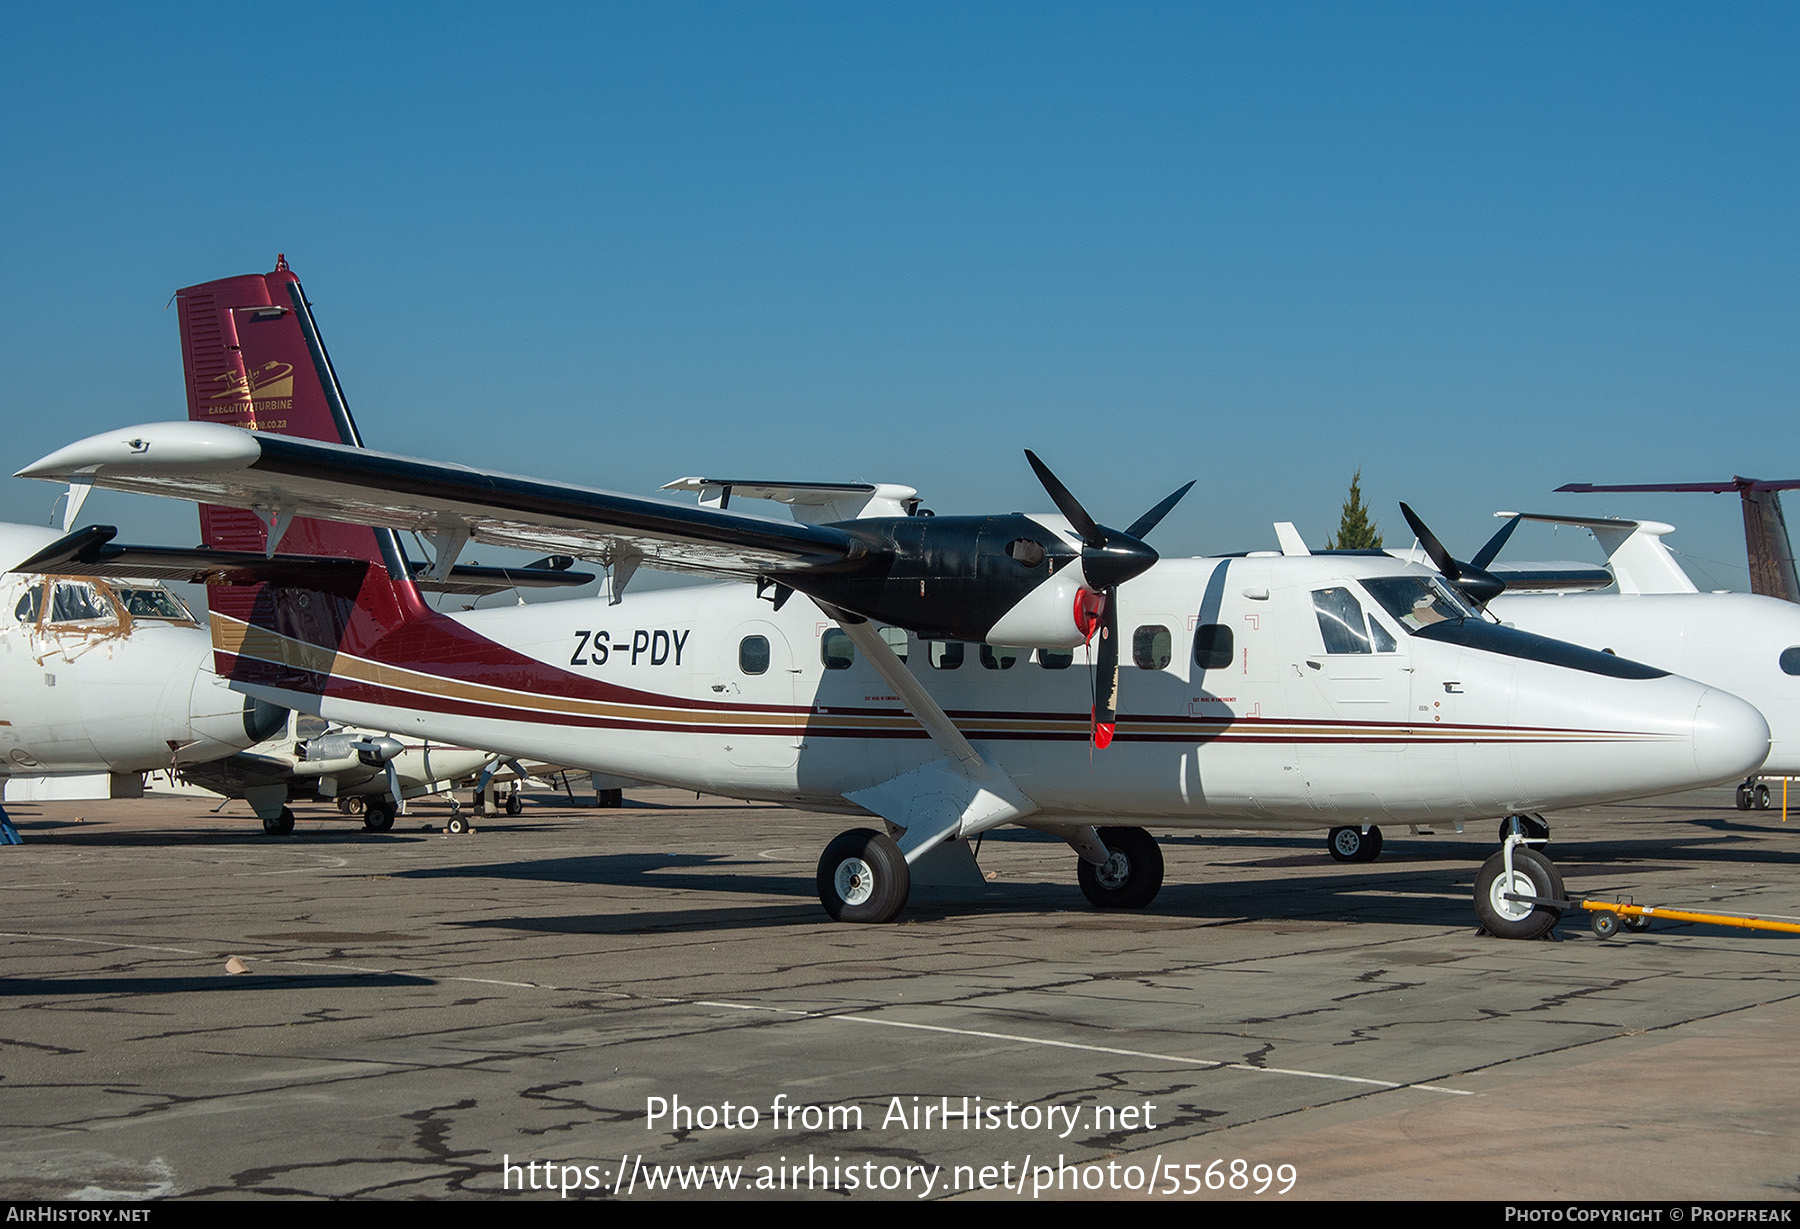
x: 254, y: 359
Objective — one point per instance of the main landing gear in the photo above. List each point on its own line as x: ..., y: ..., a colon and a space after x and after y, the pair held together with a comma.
x: 378, y: 814
x: 1354, y: 844
x: 279, y: 825
x: 863, y: 875
x: 1753, y: 795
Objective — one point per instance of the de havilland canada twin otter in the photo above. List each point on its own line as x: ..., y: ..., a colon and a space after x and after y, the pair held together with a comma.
x: 869, y: 658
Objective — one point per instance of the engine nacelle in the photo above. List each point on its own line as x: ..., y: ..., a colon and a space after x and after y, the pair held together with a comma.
x: 962, y: 578
x: 1061, y: 613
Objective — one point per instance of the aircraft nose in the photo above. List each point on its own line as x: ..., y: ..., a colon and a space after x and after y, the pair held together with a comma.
x: 1731, y: 738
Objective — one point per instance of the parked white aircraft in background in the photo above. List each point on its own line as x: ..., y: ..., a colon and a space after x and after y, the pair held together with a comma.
x: 102, y: 681
x: 368, y: 773
x: 1266, y: 692
x: 1744, y: 643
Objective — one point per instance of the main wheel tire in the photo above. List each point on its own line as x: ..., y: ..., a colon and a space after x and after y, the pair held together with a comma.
x: 1743, y: 798
x: 1353, y: 844
x: 378, y: 816
x: 863, y: 877
x: 1132, y: 875
x: 457, y: 825
x: 610, y: 798
x: 513, y: 804
x: 1532, y: 875
x: 1762, y: 796
x: 350, y: 806
x: 281, y: 824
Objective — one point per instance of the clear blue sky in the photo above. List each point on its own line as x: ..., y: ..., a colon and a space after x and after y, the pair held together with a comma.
x: 1478, y: 250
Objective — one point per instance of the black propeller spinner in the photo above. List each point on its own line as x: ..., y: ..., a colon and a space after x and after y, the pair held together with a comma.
x: 1109, y: 558
x: 1471, y: 579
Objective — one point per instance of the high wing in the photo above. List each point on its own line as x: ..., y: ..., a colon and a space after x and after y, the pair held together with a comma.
x: 281, y: 477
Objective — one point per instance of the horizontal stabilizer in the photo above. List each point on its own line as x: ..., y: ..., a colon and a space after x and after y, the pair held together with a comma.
x: 92, y: 552
x: 1635, y: 552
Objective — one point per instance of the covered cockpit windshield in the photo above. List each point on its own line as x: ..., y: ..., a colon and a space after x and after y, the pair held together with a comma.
x: 1417, y: 601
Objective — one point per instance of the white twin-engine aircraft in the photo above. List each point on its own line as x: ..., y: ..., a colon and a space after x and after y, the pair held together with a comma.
x: 101, y: 682
x: 918, y: 669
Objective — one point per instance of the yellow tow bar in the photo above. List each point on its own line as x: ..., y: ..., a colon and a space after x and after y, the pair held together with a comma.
x: 1609, y: 915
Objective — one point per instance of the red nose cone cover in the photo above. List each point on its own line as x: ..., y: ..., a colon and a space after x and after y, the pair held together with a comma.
x: 1088, y: 607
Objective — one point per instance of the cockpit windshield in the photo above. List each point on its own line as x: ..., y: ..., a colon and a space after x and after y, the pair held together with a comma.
x: 153, y: 602
x: 1417, y: 601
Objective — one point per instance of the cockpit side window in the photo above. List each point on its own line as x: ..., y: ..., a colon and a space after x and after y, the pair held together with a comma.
x: 29, y: 605
x: 1341, y: 621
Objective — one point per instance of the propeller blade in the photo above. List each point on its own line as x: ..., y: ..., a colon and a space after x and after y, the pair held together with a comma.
x: 1106, y: 699
x: 1440, y: 558
x: 1145, y: 523
x: 1472, y: 580
x: 1067, y: 504
x: 1486, y: 554
x: 393, y: 781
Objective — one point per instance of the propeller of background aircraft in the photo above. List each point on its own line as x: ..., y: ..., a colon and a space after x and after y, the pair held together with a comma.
x: 1471, y: 579
x: 1109, y: 558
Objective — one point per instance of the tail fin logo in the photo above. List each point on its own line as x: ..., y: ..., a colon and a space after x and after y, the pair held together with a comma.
x: 273, y: 379
x: 263, y: 396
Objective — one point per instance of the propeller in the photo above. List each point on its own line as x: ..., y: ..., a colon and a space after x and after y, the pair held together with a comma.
x: 1471, y: 579
x: 1109, y: 558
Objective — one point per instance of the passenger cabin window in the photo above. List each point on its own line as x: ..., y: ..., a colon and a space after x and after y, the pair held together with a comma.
x: 998, y: 657
x: 1790, y: 660
x: 835, y: 649
x: 1214, y: 647
x: 895, y: 639
x: 945, y: 654
x: 1152, y: 648
x: 1055, y: 659
x: 1341, y: 621
x: 753, y: 655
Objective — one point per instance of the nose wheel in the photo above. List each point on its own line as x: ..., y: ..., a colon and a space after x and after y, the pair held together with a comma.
x: 1522, y: 900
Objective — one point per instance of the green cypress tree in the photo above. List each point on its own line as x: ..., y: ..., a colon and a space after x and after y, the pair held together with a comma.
x: 1356, y: 531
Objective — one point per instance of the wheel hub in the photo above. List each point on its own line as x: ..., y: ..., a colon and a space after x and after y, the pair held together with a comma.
x: 1116, y: 873
x: 854, y: 880
x: 1348, y: 841
x: 1518, y: 884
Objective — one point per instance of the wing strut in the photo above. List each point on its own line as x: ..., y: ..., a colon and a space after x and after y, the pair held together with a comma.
x: 961, y: 795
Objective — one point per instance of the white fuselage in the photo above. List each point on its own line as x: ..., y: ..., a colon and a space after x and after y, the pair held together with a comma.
x: 1733, y: 641
x: 87, y: 687
x: 712, y: 689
